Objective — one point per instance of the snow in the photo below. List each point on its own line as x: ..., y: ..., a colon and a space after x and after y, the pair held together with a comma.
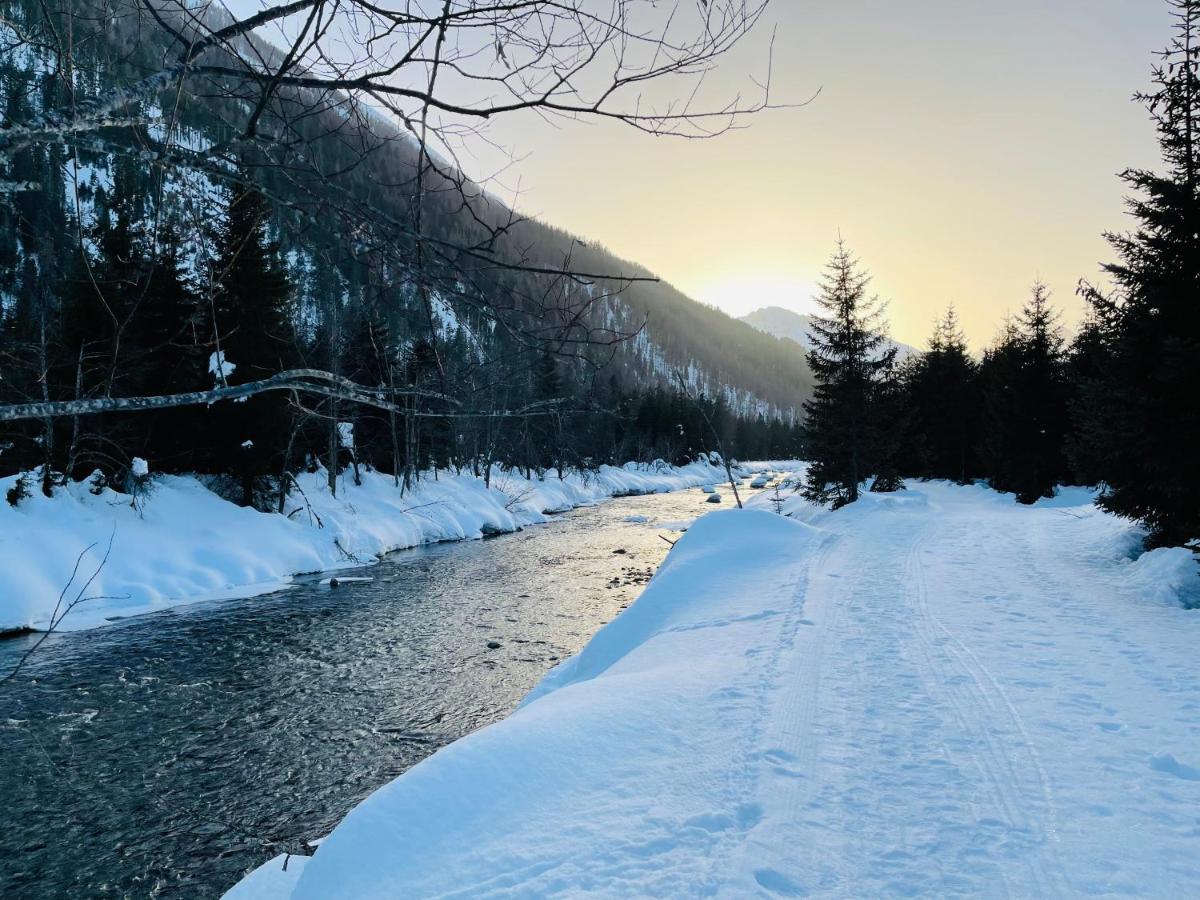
x: 931, y: 693
x: 139, y: 468
x: 676, y: 524
x: 184, y: 543
x: 219, y: 367
x: 346, y: 435
x: 269, y: 879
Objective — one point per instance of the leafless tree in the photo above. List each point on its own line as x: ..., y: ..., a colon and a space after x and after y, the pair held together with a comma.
x: 716, y: 434
x: 361, y: 117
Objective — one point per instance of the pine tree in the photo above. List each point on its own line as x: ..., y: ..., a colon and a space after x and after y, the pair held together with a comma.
x: 889, y: 417
x: 171, y: 358
x: 849, y: 358
x: 1025, y: 397
x: 944, y: 404
x: 101, y: 308
x: 1138, y: 415
x: 252, y: 328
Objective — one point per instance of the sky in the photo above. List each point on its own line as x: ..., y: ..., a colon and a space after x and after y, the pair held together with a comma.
x: 963, y: 150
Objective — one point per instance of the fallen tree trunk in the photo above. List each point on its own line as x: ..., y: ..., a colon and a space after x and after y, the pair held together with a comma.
x: 312, y: 381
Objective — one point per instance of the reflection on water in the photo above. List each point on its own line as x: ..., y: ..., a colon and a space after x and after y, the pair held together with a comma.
x: 166, y: 755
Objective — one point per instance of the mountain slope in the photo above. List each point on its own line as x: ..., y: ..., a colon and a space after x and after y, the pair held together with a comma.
x: 330, y: 215
x: 794, y: 326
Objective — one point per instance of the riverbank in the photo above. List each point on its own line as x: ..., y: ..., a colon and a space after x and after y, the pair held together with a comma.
x: 933, y: 693
x: 183, y: 543
x: 316, y: 695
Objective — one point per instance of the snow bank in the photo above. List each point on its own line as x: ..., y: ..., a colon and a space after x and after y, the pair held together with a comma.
x: 1169, y: 576
x: 184, y: 543
x: 274, y: 878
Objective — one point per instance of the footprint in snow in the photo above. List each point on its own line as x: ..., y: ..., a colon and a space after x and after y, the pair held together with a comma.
x: 1169, y: 765
x: 776, y: 882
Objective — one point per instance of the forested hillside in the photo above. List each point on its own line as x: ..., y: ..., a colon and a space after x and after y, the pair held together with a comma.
x: 207, y: 233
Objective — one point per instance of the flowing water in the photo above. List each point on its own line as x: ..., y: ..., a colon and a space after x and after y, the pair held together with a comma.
x: 166, y: 755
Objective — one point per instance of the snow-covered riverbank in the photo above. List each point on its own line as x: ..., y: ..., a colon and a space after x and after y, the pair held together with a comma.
x: 187, y: 544
x: 931, y: 693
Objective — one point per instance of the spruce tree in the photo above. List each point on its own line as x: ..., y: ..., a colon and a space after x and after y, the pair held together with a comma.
x: 944, y: 404
x: 171, y: 357
x: 1138, y: 413
x: 849, y: 358
x: 251, y: 327
x: 1025, y: 396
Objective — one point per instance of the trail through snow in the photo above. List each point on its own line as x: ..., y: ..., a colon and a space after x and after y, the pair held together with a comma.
x: 934, y: 693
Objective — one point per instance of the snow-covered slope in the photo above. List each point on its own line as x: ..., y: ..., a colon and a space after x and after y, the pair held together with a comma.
x: 936, y: 693
x: 794, y: 326
x: 186, y: 543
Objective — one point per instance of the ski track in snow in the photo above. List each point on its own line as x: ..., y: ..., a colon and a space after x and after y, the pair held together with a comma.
x: 931, y: 694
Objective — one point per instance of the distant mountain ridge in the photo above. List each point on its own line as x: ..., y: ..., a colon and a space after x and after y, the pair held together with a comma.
x: 794, y: 326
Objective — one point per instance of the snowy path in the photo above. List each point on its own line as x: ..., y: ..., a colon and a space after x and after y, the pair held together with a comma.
x: 938, y: 693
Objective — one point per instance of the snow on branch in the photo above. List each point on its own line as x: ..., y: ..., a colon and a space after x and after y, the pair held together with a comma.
x: 311, y: 381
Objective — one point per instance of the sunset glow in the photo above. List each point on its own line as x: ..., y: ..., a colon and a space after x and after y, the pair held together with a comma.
x: 935, y: 147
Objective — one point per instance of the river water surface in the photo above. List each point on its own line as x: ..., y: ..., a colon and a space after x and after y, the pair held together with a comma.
x: 167, y: 755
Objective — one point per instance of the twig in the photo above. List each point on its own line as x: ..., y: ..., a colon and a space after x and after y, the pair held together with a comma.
x: 61, y: 612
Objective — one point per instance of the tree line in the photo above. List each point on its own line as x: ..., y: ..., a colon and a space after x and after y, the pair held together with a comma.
x: 1116, y: 406
x: 134, y: 318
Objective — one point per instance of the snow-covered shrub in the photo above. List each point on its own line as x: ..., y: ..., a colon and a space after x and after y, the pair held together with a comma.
x: 139, y: 483
x: 98, y: 483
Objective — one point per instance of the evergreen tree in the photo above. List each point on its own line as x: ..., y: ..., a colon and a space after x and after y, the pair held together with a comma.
x: 1025, y: 397
x: 101, y: 310
x: 252, y: 328
x: 889, y: 417
x: 171, y: 358
x: 1087, y: 363
x: 1138, y: 414
x: 944, y: 405
x: 849, y: 358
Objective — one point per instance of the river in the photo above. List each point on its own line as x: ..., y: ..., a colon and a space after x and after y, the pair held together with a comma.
x: 166, y: 755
